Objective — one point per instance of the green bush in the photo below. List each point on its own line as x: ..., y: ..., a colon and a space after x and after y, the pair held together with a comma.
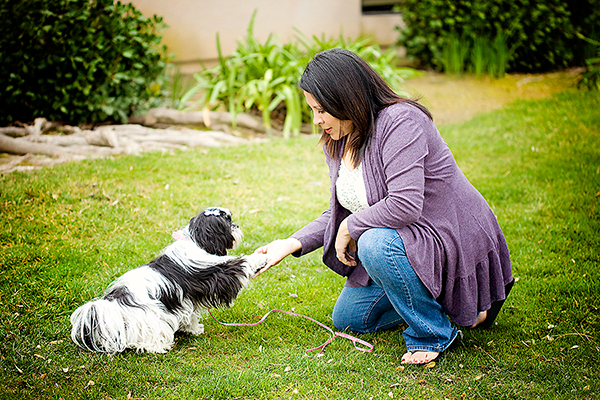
x: 585, y: 16
x: 77, y: 60
x: 540, y: 32
x: 590, y: 77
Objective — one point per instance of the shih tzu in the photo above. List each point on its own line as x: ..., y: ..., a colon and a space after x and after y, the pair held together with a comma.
x: 144, y: 308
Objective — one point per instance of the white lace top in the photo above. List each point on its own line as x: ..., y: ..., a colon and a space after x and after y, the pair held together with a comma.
x: 350, y: 189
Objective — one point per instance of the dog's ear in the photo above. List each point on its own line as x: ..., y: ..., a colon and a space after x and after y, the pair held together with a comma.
x: 212, y: 232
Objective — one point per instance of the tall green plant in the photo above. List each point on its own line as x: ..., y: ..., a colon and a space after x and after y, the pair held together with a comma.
x: 502, y: 54
x: 479, y: 60
x: 176, y: 84
x: 293, y: 118
x: 262, y: 93
x: 254, y: 75
x: 454, y: 54
x: 262, y: 76
x: 479, y: 55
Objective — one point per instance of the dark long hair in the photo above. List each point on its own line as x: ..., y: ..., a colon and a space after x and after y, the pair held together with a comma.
x: 346, y: 87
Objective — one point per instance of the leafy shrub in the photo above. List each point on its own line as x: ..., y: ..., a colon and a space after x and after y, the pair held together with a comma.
x: 265, y: 76
x: 540, y: 32
x: 590, y: 77
x: 77, y: 60
x: 585, y: 17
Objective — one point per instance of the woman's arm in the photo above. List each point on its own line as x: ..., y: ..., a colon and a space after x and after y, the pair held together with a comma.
x: 277, y: 251
x: 343, y: 243
x: 303, y: 241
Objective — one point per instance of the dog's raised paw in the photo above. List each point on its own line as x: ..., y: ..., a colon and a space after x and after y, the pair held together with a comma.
x: 257, y: 261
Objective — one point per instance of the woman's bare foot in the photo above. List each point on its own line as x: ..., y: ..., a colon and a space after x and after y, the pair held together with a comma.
x: 480, y: 318
x: 419, y: 357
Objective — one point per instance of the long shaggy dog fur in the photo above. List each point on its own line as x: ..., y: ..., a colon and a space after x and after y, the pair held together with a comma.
x: 144, y: 308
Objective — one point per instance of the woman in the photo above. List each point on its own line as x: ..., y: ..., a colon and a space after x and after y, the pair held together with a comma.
x: 417, y: 242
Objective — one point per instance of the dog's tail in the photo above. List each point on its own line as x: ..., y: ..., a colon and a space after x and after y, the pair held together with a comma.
x: 99, y: 326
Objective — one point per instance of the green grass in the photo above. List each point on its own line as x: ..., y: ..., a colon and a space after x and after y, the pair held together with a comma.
x: 68, y: 231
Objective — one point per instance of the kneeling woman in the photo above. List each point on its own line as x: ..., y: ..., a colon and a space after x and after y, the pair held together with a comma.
x: 417, y: 242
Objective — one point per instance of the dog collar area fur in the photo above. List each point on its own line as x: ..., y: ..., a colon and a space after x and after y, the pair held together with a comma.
x: 182, y: 234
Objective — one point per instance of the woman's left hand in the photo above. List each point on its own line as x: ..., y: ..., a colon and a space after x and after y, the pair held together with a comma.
x: 343, y: 243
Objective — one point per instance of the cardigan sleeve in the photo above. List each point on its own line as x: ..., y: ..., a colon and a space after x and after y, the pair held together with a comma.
x: 312, y: 235
x: 399, y: 149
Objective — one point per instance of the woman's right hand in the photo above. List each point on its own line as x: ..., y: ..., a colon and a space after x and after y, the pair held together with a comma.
x: 277, y: 250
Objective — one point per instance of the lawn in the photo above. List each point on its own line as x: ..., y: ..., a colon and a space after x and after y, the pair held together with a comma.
x: 69, y: 230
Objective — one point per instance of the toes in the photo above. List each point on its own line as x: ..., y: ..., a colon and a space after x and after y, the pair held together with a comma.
x: 418, y: 357
x: 405, y: 358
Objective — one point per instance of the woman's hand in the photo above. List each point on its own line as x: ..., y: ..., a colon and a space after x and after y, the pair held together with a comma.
x: 277, y: 251
x: 343, y: 243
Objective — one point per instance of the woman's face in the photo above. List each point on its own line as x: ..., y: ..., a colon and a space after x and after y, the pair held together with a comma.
x: 332, y: 126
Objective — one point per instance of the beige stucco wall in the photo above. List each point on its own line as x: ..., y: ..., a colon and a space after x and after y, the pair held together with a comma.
x: 382, y: 27
x: 193, y: 24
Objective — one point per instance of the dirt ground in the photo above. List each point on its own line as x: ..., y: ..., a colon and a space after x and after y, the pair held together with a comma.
x: 458, y: 98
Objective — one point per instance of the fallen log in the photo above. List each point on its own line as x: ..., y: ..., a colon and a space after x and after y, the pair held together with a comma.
x: 14, y: 131
x: 72, y: 143
x: 169, y: 116
x: 21, y: 147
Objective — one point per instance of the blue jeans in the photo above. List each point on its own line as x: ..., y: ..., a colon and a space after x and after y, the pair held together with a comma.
x: 396, y: 296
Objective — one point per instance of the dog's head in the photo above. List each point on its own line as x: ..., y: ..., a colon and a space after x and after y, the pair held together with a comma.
x: 214, y: 231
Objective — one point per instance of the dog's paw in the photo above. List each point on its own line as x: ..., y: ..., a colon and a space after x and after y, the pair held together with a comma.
x: 193, y: 328
x: 197, y: 329
x: 256, y: 261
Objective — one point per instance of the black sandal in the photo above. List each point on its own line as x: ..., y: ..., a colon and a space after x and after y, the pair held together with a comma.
x: 495, y: 309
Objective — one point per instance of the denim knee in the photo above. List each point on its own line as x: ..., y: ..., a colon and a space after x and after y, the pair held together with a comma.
x: 347, y: 322
x: 369, y: 243
x: 364, y: 309
x: 374, y: 248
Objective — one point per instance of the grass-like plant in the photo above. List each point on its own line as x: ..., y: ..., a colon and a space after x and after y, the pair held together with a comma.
x: 541, y: 31
x: 479, y: 60
x: 254, y: 75
x: 264, y: 76
x: 68, y: 231
x: 478, y: 55
x: 454, y: 55
x: 176, y: 85
x: 499, y: 56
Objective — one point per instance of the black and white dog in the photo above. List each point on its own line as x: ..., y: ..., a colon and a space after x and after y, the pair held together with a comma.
x: 146, y: 306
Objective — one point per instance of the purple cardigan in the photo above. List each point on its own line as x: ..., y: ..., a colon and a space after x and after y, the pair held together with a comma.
x: 452, y: 238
